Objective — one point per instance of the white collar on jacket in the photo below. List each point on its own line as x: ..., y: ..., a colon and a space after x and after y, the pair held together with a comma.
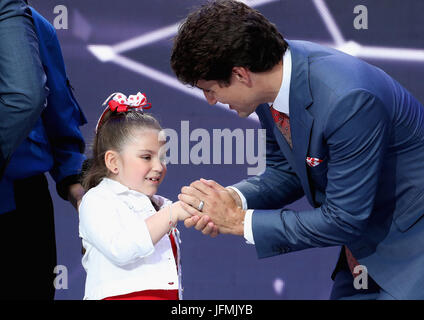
x: 140, y: 198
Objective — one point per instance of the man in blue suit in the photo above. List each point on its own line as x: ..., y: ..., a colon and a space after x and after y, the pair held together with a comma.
x: 339, y: 131
x: 55, y: 145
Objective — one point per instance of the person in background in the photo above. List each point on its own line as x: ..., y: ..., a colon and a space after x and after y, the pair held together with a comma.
x: 55, y: 145
x: 22, y: 78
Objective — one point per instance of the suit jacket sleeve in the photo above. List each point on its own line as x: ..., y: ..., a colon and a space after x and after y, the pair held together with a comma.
x: 22, y: 79
x: 278, y: 185
x: 63, y: 116
x: 357, y: 133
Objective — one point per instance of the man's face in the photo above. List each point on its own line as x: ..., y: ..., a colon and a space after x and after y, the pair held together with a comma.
x: 237, y: 95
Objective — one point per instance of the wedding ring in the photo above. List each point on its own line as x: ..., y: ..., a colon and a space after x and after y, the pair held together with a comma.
x: 200, y: 207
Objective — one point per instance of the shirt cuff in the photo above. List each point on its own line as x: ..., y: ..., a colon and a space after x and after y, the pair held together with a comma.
x: 242, y: 198
x: 248, y: 232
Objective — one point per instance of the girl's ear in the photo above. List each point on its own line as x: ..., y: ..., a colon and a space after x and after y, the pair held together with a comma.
x: 112, y: 161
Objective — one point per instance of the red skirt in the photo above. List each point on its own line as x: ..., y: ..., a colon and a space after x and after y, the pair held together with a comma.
x: 152, y: 294
x: 148, y: 295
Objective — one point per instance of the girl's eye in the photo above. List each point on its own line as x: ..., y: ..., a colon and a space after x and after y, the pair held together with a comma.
x: 146, y: 157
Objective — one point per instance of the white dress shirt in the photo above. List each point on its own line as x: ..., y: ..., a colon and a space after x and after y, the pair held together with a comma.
x: 120, y: 257
x: 281, y: 104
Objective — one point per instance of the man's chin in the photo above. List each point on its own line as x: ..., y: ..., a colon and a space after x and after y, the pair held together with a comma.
x: 243, y: 114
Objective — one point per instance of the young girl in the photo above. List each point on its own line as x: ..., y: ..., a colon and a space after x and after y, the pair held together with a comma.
x: 127, y: 231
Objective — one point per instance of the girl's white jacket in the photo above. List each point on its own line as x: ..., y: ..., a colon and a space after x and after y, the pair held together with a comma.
x: 120, y: 257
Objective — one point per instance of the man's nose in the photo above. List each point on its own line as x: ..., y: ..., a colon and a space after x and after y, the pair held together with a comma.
x: 210, y: 98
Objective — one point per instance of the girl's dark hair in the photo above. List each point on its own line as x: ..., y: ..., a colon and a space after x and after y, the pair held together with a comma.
x: 115, y: 130
x: 223, y: 34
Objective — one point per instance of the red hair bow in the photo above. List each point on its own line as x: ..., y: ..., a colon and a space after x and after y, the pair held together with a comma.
x: 120, y: 103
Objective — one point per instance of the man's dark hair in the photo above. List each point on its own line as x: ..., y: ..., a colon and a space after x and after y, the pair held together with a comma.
x: 221, y: 35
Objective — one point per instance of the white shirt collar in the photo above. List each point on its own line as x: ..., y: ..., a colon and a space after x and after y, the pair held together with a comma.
x: 119, y: 188
x: 115, y: 186
x: 281, y: 103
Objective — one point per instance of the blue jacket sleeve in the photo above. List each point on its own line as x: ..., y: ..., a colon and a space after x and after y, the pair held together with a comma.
x: 357, y: 135
x: 63, y: 116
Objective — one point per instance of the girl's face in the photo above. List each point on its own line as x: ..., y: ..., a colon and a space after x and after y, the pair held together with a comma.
x: 141, y: 165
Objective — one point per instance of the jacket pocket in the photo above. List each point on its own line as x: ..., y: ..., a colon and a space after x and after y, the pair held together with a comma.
x: 319, y: 169
x: 412, y: 214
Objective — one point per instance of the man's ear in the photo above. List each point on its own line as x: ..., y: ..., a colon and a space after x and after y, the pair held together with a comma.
x: 243, y: 75
x: 112, y: 161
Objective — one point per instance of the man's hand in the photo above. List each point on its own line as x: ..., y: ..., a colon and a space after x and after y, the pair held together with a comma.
x: 75, y: 194
x: 236, y: 197
x: 219, y: 206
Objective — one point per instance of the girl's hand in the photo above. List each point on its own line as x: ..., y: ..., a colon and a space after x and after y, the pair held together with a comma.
x: 179, y: 212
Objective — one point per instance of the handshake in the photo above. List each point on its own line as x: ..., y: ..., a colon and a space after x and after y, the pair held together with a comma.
x: 211, y: 208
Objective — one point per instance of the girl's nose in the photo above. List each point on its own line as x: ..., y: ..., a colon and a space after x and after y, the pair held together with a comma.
x: 158, y: 165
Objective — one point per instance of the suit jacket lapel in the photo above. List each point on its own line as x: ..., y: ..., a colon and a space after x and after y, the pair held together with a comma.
x: 301, y: 120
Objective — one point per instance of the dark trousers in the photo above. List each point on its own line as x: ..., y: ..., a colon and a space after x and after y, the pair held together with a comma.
x: 27, y: 243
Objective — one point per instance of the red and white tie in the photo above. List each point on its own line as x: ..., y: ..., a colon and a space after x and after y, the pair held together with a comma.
x: 283, y: 123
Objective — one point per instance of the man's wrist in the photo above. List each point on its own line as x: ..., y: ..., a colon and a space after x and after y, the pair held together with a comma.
x: 235, y: 196
x: 239, y: 226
